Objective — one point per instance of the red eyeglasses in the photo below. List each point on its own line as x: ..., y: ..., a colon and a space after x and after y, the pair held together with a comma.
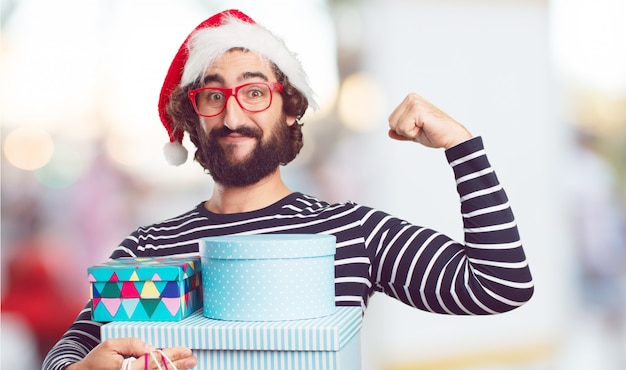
x: 251, y: 97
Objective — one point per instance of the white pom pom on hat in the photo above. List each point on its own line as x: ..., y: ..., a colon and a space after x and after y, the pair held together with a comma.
x: 207, y: 43
x: 175, y: 153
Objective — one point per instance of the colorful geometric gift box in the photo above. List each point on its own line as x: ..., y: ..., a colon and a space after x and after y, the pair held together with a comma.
x: 327, y: 343
x: 146, y: 288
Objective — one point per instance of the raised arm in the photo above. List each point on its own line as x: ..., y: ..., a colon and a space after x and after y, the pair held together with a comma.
x: 487, y: 273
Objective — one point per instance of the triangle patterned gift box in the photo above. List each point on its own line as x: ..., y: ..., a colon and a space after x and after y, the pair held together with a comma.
x: 146, y: 288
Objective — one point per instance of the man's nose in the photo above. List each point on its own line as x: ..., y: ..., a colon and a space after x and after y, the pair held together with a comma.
x: 234, y: 115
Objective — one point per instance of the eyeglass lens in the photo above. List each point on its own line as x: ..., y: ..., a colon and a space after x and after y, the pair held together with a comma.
x: 251, y: 97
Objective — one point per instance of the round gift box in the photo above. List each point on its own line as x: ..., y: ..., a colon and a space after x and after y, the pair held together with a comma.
x: 269, y: 277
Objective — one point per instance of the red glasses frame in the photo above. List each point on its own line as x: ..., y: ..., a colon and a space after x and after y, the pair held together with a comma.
x: 233, y: 91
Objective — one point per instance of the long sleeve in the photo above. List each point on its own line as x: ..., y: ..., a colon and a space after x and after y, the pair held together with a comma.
x: 486, y: 274
x: 82, y: 336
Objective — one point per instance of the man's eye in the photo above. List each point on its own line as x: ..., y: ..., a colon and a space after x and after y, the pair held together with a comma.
x: 255, y: 92
x: 214, y: 96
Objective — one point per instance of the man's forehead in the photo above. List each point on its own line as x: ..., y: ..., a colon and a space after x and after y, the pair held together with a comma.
x: 239, y: 56
x: 240, y: 65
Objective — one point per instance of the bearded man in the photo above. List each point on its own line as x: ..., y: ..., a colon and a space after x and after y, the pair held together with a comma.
x: 239, y: 93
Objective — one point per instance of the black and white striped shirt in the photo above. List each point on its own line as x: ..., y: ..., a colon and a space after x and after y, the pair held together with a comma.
x: 486, y: 274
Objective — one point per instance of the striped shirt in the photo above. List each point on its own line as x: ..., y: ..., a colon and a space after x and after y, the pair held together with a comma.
x: 486, y: 274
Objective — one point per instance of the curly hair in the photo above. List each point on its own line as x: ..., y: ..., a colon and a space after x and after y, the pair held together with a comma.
x: 184, y: 117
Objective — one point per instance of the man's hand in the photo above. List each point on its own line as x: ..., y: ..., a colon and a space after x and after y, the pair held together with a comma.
x: 418, y: 120
x: 110, y: 354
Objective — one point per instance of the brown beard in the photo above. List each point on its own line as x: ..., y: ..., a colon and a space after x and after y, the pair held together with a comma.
x: 261, y: 162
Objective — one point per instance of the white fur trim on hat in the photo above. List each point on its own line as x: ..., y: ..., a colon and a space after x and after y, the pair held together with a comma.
x: 209, y: 44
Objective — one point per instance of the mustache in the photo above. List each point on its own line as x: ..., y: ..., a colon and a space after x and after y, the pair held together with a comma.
x: 224, y: 131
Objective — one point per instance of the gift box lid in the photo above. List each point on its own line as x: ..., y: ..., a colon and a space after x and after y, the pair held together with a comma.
x: 329, y: 333
x: 267, y: 246
x: 146, y: 268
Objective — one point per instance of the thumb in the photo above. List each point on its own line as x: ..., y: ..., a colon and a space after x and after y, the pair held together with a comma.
x: 394, y: 135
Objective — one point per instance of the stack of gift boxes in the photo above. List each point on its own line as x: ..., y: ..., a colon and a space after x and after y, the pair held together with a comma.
x: 245, y: 303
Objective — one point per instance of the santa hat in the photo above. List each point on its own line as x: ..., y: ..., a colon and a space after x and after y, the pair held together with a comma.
x: 208, y: 42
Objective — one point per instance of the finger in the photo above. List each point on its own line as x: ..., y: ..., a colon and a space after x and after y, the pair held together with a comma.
x: 406, y: 119
x: 187, y: 363
x: 394, y: 135
x: 398, y: 114
x: 393, y: 117
x: 181, y: 357
x: 407, y: 129
x: 128, y: 346
x: 409, y: 103
x: 177, y: 353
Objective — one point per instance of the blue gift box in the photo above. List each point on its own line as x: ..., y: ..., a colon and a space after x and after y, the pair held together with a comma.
x: 146, y: 288
x: 269, y: 277
x: 327, y: 343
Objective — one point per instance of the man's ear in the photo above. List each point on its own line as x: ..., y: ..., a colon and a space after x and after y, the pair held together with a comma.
x: 291, y: 120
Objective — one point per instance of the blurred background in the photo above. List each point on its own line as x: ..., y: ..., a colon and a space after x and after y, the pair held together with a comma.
x: 544, y: 83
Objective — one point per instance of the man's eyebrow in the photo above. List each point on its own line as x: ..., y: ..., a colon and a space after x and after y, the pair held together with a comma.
x: 212, y: 78
x: 249, y: 75
x: 244, y: 76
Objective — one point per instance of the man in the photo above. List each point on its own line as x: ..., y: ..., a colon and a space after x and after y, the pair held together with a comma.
x: 239, y: 93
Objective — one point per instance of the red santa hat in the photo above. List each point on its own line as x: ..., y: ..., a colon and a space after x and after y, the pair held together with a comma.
x: 207, y: 43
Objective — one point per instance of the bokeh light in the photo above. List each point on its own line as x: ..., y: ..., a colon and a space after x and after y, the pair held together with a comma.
x: 362, y: 102
x: 28, y: 148
x: 64, y: 167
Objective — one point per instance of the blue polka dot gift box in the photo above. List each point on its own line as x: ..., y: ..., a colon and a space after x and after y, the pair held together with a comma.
x: 327, y: 343
x: 146, y: 288
x: 269, y: 277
